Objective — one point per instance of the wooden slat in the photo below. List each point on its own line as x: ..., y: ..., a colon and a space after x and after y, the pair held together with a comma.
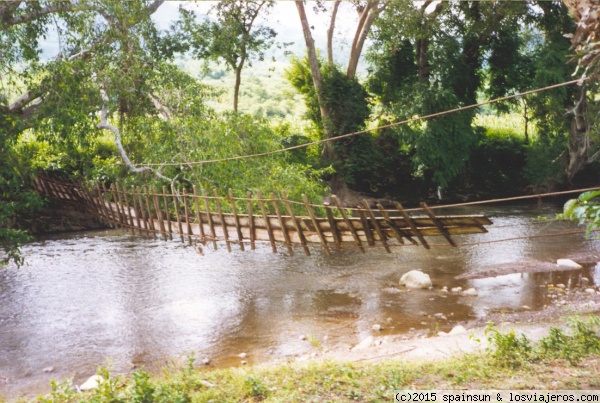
x: 187, y: 216
x: 199, y: 216
x: 143, y: 211
x: 150, y: 218
x: 167, y: 212
x: 378, y: 229
x: 251, y: 222
x: 177, y: 217
x: 161, y: 222
x: 136, y: 210
x: 333, y: 227
x: 412, y: 225
x: 261, y: 204
x: 286, y: 235
x: 348, y: 223
x: 236, y: 219
x: 316, y: 224
x: 222, y: 220
x: 296, y: 224
x: 366, y: 227
x: 211, y: 224
x: 438, y: 224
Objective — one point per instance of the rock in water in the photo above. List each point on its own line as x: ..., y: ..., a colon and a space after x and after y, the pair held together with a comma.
x: 458, y: 329
x: 366, y: 343
x: 415, y: 279
x: 568, y: 264
x: 92, y: 383
x: 471, y: 292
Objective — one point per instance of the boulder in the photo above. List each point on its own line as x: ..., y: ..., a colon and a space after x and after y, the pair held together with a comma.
x: 415, y: 279
x: 568, y: 264
x: 366, y: 343
x: 471, y: 292
x: 458, y: 329
x: 92, y: 383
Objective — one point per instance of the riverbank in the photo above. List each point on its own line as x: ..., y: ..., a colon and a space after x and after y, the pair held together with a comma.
x: 491, y: 358
x: 475, y: 356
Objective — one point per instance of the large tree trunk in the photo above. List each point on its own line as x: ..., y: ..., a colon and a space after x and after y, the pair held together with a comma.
x: 578, y: 136
x: 331, y: 29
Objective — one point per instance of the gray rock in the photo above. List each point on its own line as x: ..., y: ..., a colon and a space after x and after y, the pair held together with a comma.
x: 456, y: 289
x: 377, y: 327
x: 92, y: 383
x: 366, y: 343
x: 568, y: 264
x: 590, y: 290
x: 457, y: 330
x: 243, y: 355
x: 416, y: 279
x: 471, y: 292
x: 206, y: 361
x: 49, y: 369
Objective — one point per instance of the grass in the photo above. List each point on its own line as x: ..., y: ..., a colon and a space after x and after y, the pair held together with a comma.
x: 562, y: 360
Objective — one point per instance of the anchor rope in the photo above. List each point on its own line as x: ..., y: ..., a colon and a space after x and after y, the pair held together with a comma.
x: 389, y: 125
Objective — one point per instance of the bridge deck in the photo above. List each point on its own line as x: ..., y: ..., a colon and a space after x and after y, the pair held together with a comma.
x: 202, y: 219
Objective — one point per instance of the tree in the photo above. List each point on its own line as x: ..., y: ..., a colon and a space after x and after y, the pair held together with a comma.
x: 233, y: 37
x: 331, y: 114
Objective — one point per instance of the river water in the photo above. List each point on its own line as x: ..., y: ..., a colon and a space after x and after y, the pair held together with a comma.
x: 111, y: 298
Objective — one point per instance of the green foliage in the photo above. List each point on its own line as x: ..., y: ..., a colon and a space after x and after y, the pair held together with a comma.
x: 255, y: 388
x: 584, y: 209
x: 582, y: 339
x: 509, y: 350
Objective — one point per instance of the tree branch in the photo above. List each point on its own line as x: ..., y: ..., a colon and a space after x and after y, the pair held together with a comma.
x: 331, y: 30
x: 107, y: 126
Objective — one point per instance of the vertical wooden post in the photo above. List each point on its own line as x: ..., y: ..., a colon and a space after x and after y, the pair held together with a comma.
x: 438, y: 224
x: 296, y: 224
x: 334, y: 230
x: 412, y: 225
x: 222, y: 219
x: 167, y: 213
x: 187, y: 216
x: 378, y: 229
x: 136, y: 210
x: 150, y: 218
x: 316, y: 224
x: 114, y: 206
x: 179, y: 227
x: 128, y: 207
x: 236, y: 219
x: 211, y: 223
x: 348, y: 223
x: 143, y: 211
x: 120, y: 207
x: 284, y: 229
x: 399, y: 234
x: 199, y: 216
x: 366, y: 227
x: 159, y: 215
x: 251, y: 221
x: 261, y: 204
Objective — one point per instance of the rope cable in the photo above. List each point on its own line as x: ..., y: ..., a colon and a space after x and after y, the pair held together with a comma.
x: 342, y: 136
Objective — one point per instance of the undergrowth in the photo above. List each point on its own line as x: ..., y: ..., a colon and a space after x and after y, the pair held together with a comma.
x: 563, y: 358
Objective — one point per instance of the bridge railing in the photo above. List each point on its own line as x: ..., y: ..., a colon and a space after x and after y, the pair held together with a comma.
x: 209, y: 219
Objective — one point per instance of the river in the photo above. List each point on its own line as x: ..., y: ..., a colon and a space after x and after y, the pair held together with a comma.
x: 111, y: 298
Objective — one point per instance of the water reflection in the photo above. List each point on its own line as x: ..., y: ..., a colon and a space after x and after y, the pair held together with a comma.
x: 88, y: 297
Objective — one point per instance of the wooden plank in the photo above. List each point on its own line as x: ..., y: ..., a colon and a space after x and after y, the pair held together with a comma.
x: 150, y: 218
x: 316, y: 224
x: 400, y: 233
x: 261, y: 204
x: 129, y: 213
x: 211, y: 223
x: 161, y: 221
x: 120, y: 206
x: 348, y: 223
x: 251, y: 222
x: 199, y: 216
x: 177, y: 217
x: 136, y: 210
x: 411, y: 224
x: 167, y: 212
x: 378, y: 229
x: 366, y: 227
x: 438, y: 224
x: 143, y: 211
x: 296, y: 224
x: 284, y: 229
x: 222, y: 219
x: 333, y: 227
x: 187, y: 216
x: 236, y: 219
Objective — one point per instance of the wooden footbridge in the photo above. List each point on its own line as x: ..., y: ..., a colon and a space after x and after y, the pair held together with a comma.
x: 210, y: 219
